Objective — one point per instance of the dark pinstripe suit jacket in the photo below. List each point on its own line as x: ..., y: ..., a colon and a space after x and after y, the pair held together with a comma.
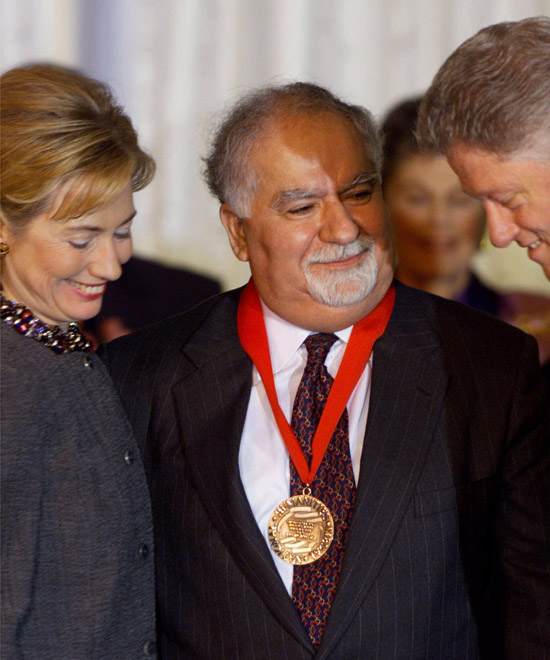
x: 447, y: 555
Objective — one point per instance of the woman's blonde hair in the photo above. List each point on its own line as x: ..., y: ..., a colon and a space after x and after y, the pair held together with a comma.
x: 58, y: 126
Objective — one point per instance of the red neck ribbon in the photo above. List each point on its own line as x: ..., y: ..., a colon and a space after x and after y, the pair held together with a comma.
x: 253, y: 337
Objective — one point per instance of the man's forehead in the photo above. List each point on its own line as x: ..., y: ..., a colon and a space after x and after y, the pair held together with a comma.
x: 284, y: 118
x: 308, y: 138
x: 484, y: 174
x: 282, y: 126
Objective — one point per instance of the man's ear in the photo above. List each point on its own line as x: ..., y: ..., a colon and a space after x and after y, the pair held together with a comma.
x: 235, y: 232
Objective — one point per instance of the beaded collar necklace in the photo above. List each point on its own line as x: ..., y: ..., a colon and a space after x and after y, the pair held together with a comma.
x: 23, y: 321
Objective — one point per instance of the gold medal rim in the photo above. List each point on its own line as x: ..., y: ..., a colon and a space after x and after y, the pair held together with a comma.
x: 274, y: 537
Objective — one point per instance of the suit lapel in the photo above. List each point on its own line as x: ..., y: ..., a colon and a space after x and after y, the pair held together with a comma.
x: 408, y: 386
x: 211, y: 402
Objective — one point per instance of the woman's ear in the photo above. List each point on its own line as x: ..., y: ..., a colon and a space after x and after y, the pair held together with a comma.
x: 6, y: 233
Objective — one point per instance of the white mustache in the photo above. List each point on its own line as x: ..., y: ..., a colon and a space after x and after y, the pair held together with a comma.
x: 331, y: 253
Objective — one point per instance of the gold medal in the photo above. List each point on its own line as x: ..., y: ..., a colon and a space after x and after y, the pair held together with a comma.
x: 301, y: 529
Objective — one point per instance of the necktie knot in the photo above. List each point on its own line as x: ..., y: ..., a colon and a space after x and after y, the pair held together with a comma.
x: 318, y: 346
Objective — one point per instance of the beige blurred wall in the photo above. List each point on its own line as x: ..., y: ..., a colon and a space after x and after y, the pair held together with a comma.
x: 175, y: 64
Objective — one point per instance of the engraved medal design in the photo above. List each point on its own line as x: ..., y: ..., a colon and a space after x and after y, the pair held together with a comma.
x: 301, y: 529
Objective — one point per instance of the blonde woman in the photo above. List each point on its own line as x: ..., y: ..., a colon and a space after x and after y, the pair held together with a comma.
x: 77, y: 571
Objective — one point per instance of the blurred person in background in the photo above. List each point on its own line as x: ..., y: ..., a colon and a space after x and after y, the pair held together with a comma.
x: 438, y: 229
x: 77, y: 539
x: 488, y: 111
x: 145, y: 293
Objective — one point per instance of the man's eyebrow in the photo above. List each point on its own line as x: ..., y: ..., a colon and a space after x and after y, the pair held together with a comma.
x: 285, y: 196
x: 371, y: 178
x: 282, y: 198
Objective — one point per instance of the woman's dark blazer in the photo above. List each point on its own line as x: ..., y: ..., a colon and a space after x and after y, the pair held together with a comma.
x: 77, y: 533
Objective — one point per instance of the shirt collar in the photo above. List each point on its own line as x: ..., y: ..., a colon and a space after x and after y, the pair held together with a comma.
x: 285, y: 339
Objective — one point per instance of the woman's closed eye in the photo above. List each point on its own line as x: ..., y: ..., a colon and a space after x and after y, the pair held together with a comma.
x: 123, y: 234
x: 80, y: 245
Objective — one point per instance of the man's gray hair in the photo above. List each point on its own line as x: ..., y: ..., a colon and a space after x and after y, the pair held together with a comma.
x: 228, y: 172
x: 493, y: 92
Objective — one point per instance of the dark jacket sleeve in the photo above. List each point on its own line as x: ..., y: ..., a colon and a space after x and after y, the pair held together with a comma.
x: 522, y: 520
x: 22, y: 485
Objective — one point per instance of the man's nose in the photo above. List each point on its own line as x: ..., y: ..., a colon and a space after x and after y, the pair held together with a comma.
x: 338, y: 224
x: 501, y: 224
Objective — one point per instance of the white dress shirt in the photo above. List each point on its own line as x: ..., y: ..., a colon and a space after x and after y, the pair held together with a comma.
x: 263, y: 456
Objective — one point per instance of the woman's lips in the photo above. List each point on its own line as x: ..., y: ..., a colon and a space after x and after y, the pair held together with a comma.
x: 89, y: 291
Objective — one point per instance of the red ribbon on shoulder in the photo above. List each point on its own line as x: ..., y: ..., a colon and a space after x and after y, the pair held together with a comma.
x: 253, y: 337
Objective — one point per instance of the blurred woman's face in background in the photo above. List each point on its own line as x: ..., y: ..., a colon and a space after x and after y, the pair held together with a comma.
x: 437, y: 227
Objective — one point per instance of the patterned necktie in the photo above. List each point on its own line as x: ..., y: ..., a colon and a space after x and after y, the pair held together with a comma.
x: 314, y: 584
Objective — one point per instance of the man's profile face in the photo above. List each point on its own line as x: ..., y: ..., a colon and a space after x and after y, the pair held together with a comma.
x: 515, y: 193
x: 316, y: 235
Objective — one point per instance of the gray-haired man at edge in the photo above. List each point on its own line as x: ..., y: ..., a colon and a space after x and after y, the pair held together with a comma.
x: 488, y: 111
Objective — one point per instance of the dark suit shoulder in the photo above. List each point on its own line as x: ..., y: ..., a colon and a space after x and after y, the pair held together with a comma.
x: 473, y: 347
x: 484, y: 357
x: 450, y: 318
x: 169, y: 346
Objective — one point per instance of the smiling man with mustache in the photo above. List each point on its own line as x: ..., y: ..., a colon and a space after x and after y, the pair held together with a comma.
x: 341, y: 466
x: 348, y: 285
